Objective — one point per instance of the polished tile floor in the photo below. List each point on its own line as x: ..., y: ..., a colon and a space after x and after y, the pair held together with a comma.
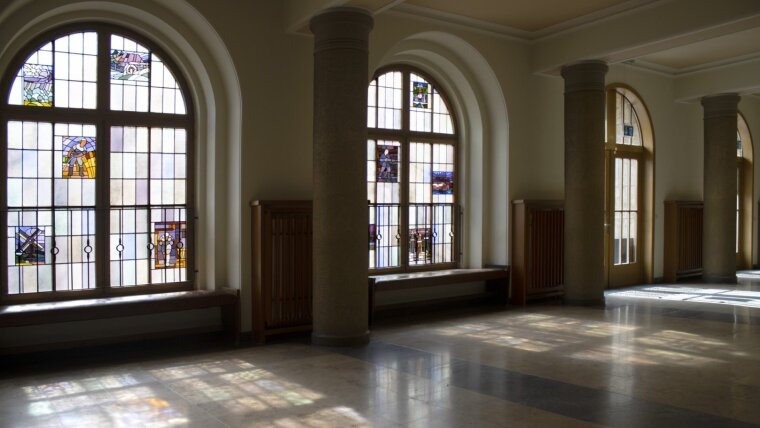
x: 655, y: 356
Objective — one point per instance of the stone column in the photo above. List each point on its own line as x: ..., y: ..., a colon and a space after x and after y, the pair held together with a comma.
x: 719, y: 221
x: 340, y: 257
x: 584, y: 181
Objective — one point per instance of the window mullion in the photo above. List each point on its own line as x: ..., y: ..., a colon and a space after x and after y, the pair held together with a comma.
x: 405, y: 170
x: 102, y: 177
x: 4, y: 207
x: 102, y: 207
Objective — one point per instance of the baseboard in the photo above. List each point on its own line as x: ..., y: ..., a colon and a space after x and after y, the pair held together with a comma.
x: 87, y: 343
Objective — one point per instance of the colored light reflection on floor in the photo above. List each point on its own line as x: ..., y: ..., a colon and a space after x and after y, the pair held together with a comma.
x: 168, y: 396
x: 535, y: 333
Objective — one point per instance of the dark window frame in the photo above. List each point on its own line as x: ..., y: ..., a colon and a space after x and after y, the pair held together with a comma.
x: 103, y: 118
x: 405, y: 137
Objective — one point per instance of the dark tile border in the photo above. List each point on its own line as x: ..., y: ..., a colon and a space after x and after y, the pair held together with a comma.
x: 575, y: 401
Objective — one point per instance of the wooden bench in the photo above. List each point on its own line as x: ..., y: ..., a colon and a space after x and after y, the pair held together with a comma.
x: 496, y: 279
x: 28, y: 314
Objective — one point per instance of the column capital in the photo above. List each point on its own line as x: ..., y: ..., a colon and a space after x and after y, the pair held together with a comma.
x: 341, y: 28
x: 584, y: 76
x: 721, y: 105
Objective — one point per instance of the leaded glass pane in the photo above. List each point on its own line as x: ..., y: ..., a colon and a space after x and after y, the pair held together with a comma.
x: 74, y: 163
x: 628, y: 128
x: 148, y: 246
x: 53, y: 168
x: 129, y: 165
x: 165, y: 94
x: 50, y: 250
x: 625, y: 221
x: 62, y: 73
x: 420, y: 111
x: 130, y: 68
x: 424, y: 221
x: 389, y: 100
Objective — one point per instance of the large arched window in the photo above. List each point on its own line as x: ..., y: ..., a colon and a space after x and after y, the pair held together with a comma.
x: 744, y: 180
x: 97, y: 191
x: 630, y: 172
x: 411, y: 173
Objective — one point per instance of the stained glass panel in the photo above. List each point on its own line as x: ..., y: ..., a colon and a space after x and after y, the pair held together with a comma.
x: 443, y: 182
x: 30, y: 245
x: 169, y: 240
x: 33, y: 85
x: 62, y: 73
x: 74, y: 164
x: 130, y: 68
x: 38, y: 85
x: 387, y: 163
x: 52, y: 171
x: 628, y: 129
x: 148, y: 246
x: 78, y: 157
x: 383, y: 173
x: 420, y: 94
x: 420, y: 118
x: 51, y: 250
x: 442, y: 175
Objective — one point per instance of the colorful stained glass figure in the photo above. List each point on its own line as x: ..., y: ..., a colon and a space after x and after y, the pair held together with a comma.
x: 38, y: 85
x: 387, y: 164
x: 78, y: 157
x: 170, y: 244
x: 30, y: 245
x: 443, y: 182
x: 126, y: 65
x: 420, y: 244
x: 420, y: 94
x: 628, y: 130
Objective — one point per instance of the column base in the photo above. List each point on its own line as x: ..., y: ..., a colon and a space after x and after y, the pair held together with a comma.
x: 327, y: 340
x: 719, y: 279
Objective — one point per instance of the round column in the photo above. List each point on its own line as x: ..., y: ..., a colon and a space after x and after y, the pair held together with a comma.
x: 341, y: 217
x: 584, y: 182
x: 719, y: 221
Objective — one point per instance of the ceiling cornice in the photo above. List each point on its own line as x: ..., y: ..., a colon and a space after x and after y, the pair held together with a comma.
x: 517, y: 34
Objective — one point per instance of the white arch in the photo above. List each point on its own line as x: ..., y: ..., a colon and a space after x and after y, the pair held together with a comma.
x: 201, y: 56
x: 477, y: 98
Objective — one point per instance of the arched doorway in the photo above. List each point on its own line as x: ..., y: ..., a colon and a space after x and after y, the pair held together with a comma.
x: 629, y: 205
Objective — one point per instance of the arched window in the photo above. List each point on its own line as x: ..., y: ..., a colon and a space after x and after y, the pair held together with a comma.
x: 411, y: 173
x: 744, y: 180
x: 630, y: 186
x: 96, y: 145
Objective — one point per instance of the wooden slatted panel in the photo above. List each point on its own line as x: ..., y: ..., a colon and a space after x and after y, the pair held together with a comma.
x: 291, y: 282
x: 546, y: 246
x: 282, y: 268
x: 689, y: 239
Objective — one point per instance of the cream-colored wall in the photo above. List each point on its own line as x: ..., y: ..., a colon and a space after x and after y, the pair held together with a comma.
x: 537, y: 168
x: 275, y: 72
